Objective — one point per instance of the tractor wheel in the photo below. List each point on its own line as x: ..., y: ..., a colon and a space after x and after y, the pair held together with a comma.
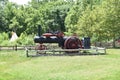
x: 72, y: 43
x: 40, y: 47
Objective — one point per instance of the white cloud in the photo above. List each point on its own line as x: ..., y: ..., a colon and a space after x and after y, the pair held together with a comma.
x: 20, y: 2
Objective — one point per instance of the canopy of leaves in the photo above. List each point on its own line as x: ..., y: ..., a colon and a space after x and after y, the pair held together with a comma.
x: 98, y: 19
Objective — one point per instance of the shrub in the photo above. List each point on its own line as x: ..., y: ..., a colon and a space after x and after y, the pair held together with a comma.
x: 25, y: 39
x: 4, y: 38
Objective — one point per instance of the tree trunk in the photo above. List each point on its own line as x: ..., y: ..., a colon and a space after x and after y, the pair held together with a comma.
x: 114, y: 41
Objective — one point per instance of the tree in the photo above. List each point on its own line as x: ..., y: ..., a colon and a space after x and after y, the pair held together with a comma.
x: 101, y: 22
x: 2, y: 15
x: 112, y: 19
x: 78, y: 10
x: 72, y: 18
x: 53, y: 15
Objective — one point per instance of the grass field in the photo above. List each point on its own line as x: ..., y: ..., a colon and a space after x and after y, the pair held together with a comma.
x: 14, y: 65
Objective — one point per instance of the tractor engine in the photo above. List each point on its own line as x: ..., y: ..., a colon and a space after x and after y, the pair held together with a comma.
x: 72, y: 42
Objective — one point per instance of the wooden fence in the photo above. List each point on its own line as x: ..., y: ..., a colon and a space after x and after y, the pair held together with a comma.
x: 63, y: 52
x: 15, y: 47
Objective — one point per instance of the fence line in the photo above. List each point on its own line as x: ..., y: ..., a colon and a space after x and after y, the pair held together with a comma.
x: 57, y: 52
x: 15, y: 47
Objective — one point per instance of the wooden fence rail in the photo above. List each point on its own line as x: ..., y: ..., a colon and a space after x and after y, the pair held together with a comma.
x: 91, y: 51
x: 15, y: 47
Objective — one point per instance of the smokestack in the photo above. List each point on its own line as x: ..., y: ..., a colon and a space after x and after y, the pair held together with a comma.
x: 39, y: 30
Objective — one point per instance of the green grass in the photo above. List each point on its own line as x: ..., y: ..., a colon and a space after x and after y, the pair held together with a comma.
x: 16, y: 66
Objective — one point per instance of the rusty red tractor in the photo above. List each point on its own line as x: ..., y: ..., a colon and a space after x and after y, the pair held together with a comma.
x: 72, y: 42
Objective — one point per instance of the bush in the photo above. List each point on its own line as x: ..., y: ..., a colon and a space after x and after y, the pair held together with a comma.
x: 24, y: 39
x: 3, y: 36
x: 4, y: 39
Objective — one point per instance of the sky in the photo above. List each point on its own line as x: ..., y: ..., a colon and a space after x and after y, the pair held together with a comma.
x: 20, y: 2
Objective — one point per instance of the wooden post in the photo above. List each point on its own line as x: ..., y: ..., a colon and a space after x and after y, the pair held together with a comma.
x: 53, y: 51
x: 27, y: 52
x: 105, y: 50
x: 15, y: 47
x: 96, y: 50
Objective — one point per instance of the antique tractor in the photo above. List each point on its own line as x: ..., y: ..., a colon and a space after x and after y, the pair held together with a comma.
x: 72, y: 42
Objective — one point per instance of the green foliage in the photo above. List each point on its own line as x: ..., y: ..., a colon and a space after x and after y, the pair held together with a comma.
x: 98, y: 19
x: 2, y: 16
x: 68, y: 33
x: 24, y: 39
x: 72, y: 18
x: 5, y: 43
x: 102, y: 21
x: 4, y: 39
x: 3, y: 36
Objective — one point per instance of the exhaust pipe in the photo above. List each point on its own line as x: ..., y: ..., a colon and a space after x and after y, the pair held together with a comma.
x: 39, y: 30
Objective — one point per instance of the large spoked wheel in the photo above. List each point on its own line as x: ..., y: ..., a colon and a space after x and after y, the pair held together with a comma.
x: 72, y: 43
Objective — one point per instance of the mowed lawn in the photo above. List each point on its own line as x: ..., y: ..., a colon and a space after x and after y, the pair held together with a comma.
x: 14, y: 65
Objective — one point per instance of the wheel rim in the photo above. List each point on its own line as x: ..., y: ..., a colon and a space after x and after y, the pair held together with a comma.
x: 72, y: 43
